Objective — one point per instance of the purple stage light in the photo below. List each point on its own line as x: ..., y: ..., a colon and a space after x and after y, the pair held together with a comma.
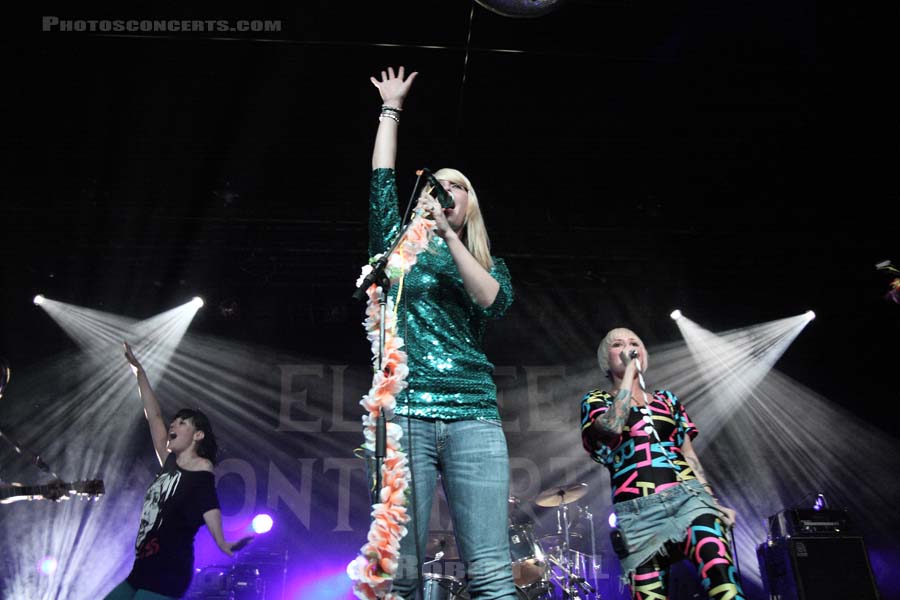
x: 819, y: 503
x: 261, y: 523
x: 613, y: 520
x: 48, y: 565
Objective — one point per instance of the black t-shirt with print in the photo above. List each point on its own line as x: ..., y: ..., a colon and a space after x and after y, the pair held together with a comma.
x: 172, y: 514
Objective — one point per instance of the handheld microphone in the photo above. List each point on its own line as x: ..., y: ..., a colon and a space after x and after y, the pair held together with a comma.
x: 444, y: 198
x: 633, y: 355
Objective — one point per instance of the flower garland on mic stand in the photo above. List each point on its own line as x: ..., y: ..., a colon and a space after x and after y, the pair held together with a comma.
x: 373, y: 570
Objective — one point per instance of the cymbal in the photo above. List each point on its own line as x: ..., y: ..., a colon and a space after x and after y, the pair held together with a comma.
x: 445, y: 543
x: 561, y: 495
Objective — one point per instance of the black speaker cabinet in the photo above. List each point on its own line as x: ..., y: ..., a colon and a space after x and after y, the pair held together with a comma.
x: 816, y: 568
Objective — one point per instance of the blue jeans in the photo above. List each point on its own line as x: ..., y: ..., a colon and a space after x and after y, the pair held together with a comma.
x: 650, y: 522
x: 473, y: 461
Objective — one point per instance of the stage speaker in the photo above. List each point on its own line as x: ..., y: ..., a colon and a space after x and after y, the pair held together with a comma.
x: 816, y: 568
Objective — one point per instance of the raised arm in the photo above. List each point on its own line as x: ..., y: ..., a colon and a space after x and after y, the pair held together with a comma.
x: 393, y: 89
x: 158, y: 430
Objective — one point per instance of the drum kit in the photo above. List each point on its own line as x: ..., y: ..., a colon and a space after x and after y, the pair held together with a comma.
x: 254, y: 575
x: 559, y: 565
x: 220, y: 582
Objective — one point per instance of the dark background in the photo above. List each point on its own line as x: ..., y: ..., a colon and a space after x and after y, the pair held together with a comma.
x: 732, y: 161
x: 736, y: 161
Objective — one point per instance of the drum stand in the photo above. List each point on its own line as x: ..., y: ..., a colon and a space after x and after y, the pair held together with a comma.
x: 594, y: 564
x: 573, y: 584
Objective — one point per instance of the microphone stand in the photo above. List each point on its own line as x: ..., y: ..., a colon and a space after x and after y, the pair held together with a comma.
x: 381, y: 422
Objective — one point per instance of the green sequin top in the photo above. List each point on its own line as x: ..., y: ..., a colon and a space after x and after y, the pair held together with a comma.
x: 449, y: 374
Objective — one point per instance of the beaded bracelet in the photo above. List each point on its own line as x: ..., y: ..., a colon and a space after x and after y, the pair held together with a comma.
x: 390, y: 108
x: 388, y: 115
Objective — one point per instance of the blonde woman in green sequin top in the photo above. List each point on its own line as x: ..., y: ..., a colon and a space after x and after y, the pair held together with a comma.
x: 453, y: 426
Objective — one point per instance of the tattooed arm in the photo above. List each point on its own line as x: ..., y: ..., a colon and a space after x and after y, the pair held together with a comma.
x: 608, y: 426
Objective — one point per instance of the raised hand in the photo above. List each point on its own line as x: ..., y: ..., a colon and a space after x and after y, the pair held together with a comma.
x: 394, y: 87
x: 129, y: 356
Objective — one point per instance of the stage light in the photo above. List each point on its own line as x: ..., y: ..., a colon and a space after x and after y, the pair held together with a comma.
x: 732, y: 362
x: 48, y: 565
x: 676, y: 314
x: 39, y: 299
x: 810, y: 315
x: 820, y: 502
x: 613, y: 520
x: 261, y: 523
x: 204, y: 368
x: 197, y: 301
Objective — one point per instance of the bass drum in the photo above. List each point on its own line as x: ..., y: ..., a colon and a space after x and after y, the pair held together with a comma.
x: 529, y: 566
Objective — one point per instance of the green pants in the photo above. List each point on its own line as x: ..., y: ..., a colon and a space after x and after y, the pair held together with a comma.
x: 124, y: 591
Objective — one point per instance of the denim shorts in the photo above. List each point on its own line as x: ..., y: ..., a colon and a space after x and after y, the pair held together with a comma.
x: 650, y: 522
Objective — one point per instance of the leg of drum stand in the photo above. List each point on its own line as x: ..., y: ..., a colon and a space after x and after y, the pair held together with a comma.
x: 594, y: 565
x: 284, y: 575
x: 564, y: 555
x: 576, y: 585
x: 565, y: 551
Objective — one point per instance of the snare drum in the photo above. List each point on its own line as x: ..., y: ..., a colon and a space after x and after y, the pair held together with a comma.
x: 443, y: 587
x: 528, y: 564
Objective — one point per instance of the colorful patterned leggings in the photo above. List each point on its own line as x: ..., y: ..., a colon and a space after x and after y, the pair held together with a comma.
x: 707, y: 547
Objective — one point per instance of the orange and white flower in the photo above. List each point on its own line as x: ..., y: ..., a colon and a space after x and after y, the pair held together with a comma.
x: 372, y: 572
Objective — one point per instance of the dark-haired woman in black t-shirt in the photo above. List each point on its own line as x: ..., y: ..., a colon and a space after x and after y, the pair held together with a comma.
x: 181, y: 498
